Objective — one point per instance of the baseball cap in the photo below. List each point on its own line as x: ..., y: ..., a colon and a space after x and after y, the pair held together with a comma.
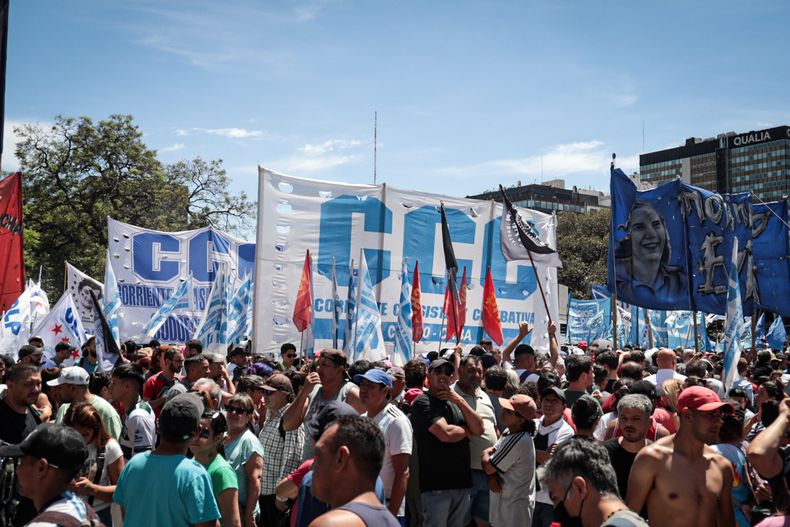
x: 396, y: 372
x: 553, y: 390
x: 326, y: 416
x: 278, y: 382
x: 62, y: 446
x: 582, y: 345
x: 71, y: 375
x: 29, y: 349
x: 238, y: 350
x: 180, y: 417
x: 440, y: 362
x: 522, y: 404
x: 376, y: 376
x: 701, y: 399
x: 64, y: 346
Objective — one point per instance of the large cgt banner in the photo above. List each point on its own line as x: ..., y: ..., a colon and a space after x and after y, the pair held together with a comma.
x: 150, y: 265
x: 334, y: 221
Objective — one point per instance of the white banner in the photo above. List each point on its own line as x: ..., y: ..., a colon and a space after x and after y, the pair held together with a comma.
x: 62, y: 325
x: 150, y: 265
x: 336, y: 220
x: 24, y: 314
x: 79, y: 285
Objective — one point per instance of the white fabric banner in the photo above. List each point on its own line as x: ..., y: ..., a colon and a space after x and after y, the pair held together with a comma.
x: 150, y: 265
x: 62, y: 324
x: 336, y: 220
x: 79, y: 285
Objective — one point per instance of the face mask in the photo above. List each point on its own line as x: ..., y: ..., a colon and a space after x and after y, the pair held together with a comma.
x: 562, y: 516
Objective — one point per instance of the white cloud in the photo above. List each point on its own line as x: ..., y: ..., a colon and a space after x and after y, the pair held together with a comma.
x: 172, y: 148
x: 319, y: 157
x: 230, y: 133
x: 181, y: 132
x: 579, y: 158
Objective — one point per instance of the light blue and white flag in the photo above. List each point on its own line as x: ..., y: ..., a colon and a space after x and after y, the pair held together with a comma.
x: 777, y: 334
x: 403, y: 347
x: 111, y: 299
x: 759, y: 332
x: 368, y: 338
x: 335, y: 307
x: 351, y: 303
x: 241, y: 312
x: 734, y: 321
x: 213, y: 328
x: 177, y: 301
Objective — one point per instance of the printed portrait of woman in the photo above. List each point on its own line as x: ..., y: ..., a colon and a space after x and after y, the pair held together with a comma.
x: 643, y: 258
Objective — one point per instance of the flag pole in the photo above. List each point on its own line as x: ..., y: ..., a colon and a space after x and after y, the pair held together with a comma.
x: 696, y: 334
x: 540, y: 286
x: 649, y: 327
x: 440, y: 331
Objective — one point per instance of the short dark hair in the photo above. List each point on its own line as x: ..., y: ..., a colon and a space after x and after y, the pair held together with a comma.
x: 469, y: 358
x: 638, y: 356
x: 21, y: 371
x: 764, y: 357
x: 195, y: 344
x: 631, y: 370
x: 477, y: 351
x: 130, y: 371
x: 496, y: 378
x: 576, y: 365
x: 287, y: 347
x: 171, y: 352
x: 415, y: 372
x: 585, y: 458
x: 547, y: 379
x: 99, y: 380
x: 365, y: 442
x: 696, y: 368
x: 608, y: 358
x: 486, y: 342
x: 194, y: 360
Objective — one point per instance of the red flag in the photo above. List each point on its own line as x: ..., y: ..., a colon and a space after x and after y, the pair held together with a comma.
x: 303, y: 309
x: 492, y: 324
x: 416, y: 305
x: 461, y: 305
x: 12, y: 255
x: 451, y: 302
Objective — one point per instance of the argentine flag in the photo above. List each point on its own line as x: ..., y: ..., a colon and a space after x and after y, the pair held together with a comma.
x: 213, y: 328
x: 241, y: 312
x: 177, y: 301
x: 733, y: 325
x: 111, y: 299
x: 403, y: 331
x: 368, y: 339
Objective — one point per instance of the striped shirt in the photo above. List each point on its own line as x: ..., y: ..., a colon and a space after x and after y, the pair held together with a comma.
x: 514, y: 459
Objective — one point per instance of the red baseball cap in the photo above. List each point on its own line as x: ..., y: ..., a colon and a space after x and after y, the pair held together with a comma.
x: 702, y: 399
x: 582, y: 345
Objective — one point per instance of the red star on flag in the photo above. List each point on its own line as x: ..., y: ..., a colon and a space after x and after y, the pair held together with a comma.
x: 57, y: 329
x: 75, y: 354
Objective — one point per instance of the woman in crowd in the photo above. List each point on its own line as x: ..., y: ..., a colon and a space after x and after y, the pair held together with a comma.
x: 96, y: 483
x: 245, y: 454
x: 208, y: 450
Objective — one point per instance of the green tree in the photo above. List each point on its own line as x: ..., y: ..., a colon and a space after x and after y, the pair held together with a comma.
x: 582, y: 241
x: 77, y: 172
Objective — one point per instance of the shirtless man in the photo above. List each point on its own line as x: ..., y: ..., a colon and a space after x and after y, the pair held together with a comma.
x: 682, y: 479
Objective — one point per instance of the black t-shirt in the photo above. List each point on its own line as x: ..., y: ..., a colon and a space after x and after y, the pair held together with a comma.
x: 621, y: 460
x: 443, y: 466
x: 15, y: 426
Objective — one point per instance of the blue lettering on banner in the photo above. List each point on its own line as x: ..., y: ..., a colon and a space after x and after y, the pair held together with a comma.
x: 246, y: 258
x: 143, y: 296
x: 177, y: 328
x: 335, y: 236
x: 202, y: 248
x: 71, y: 321
x: 146, y: 246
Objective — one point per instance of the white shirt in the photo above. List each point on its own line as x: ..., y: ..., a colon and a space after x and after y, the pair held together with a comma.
x: 112, y: 453
x: 397, y: 431
x: 70, y: 504
x: 140, y: 428
x: 663, y: 375
x: 558, y: 432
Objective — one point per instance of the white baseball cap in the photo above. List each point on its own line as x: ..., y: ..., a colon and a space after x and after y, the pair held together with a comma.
x: 71, y: 375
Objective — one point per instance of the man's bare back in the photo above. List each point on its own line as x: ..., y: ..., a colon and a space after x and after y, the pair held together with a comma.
x: 681, y: 490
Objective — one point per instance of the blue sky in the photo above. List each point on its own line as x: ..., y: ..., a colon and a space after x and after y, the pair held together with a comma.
x: 468, y: 94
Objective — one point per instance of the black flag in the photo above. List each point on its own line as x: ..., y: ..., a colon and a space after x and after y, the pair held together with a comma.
x: 517, y: 236
x: 451, y: 300
x: 106, y: 347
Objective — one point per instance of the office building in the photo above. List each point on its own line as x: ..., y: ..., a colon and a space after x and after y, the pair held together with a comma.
x: 551, y: 196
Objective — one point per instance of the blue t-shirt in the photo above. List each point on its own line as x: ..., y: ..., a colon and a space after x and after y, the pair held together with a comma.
x: 165, y: 490
x: 237, y: 453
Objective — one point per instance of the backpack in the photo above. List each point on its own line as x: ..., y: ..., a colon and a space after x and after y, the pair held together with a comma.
x: 61, y: 519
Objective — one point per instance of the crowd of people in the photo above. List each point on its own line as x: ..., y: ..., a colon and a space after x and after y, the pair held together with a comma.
x: 578, y: 435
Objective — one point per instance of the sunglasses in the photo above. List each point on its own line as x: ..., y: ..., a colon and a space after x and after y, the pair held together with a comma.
x: 290, y: 355
x: 204, y: 432
x: 238, y: 410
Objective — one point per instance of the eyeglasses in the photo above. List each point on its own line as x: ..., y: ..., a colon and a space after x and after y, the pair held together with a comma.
x: 238, y: 410
x: 291, y: 355
x: 205, y: 432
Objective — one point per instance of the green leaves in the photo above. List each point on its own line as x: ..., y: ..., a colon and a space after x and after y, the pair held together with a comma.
x: 582, y: 241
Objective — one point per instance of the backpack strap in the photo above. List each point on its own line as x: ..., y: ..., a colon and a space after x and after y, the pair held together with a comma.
x: 61, y: 519
x: 99, y: 468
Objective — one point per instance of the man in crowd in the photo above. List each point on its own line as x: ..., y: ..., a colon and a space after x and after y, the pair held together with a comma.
x: 287, y: 357
x: 510, y: 465
x: 470, y: 376
x: 583, y: 487
x: 63, y: 351
x: 139, y: 427
x: 156, y: 387
x: 50, y: 458
x: 193, y: 347
x: 30, y: 354
x: 163, y: 487
x: 633, y: 420
x: 196, y: 367
x: 328, y: 383
x: 610, y: 362
x: 666, y: 360
x: 73, y: 382
x: 579, y: 373
x: 375, y: 387
x: 682, y: 479
x: 524, y: 361
x: 443, y: 423
x: 398, y: 383
x: 350, y: 451
x: 495, y: 383
x: 18, y: 417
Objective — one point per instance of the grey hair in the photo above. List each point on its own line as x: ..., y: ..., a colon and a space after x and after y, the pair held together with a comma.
x: 635, y: 400
x: 213, y: 388
x: 512, y: 384
x: 584, y: 458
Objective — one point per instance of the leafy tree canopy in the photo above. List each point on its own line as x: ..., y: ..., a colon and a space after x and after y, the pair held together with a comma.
x: 77, y: 172
x: 582, y: 241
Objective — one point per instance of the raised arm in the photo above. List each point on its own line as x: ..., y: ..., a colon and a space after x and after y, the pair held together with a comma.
x: 523, y: 331
x: 764, y: 450
x: 294, y: 415
x: 554, y: 345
